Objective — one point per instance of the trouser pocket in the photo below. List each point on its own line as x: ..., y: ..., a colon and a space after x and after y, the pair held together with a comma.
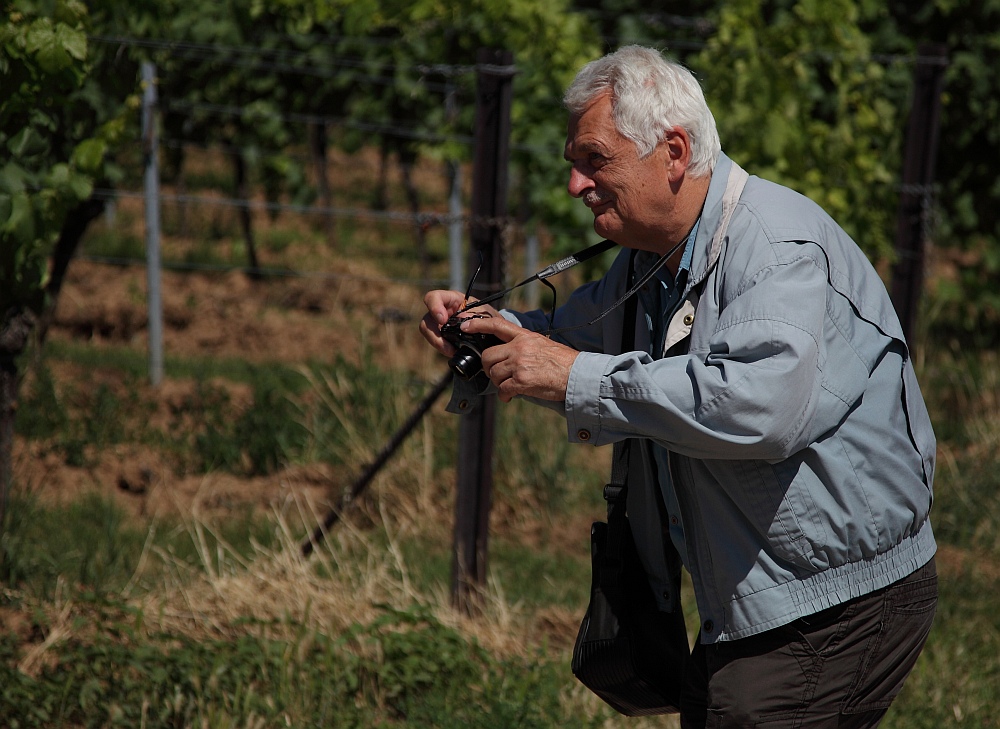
x: 906, y: 618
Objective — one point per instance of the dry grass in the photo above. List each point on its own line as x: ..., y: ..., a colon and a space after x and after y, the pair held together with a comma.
x: 351, y: 578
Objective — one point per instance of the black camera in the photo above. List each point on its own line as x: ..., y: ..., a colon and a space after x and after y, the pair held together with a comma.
x: 467, y: 362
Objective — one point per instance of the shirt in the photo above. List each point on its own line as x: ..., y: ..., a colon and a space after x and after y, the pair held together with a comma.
x: 659, y: 302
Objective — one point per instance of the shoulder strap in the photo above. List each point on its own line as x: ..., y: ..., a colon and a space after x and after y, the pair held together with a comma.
x: 616, y: 491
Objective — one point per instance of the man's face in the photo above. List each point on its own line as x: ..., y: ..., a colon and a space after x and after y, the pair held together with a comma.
x: 631, y: 198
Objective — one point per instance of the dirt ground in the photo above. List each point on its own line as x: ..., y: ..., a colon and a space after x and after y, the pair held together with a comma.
x: 226, y: 316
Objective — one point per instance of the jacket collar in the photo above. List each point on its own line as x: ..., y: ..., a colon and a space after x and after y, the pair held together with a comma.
x: 704, y: 257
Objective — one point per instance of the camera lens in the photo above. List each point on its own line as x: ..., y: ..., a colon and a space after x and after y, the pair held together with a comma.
x: 466, y: 363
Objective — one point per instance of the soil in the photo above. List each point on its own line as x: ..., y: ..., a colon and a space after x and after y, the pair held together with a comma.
x: 211, y: 316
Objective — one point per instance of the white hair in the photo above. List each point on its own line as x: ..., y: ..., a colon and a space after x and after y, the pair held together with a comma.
x: 649, y: 96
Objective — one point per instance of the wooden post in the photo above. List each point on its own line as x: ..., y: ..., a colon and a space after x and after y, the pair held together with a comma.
x: 918, y: 178
x: 476, y: 429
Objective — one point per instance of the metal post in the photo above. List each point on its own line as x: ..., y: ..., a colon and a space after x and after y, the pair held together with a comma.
x: 455, y: 262
x: 151, y: 189
x: 476, y: 430
x: 456, y: 265
x: 918, y: 178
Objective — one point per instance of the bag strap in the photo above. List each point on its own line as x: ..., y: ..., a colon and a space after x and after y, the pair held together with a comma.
x: 616, y: 492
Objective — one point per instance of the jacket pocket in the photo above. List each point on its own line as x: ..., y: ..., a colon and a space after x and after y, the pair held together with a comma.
x: 779, y: 501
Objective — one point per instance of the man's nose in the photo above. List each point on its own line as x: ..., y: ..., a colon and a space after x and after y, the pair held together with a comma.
x: 579, y: 183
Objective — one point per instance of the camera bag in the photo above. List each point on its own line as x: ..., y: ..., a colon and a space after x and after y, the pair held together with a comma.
x: 628, y: 651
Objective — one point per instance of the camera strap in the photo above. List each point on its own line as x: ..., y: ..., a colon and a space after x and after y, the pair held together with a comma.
x: 628, y: 296
x: 570, y: 261
x: 558, y: 267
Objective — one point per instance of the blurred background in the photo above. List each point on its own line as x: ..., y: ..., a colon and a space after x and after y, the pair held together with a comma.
x: 217, y: 223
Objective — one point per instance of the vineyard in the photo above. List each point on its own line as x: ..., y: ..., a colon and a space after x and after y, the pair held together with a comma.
x: 315, y: 173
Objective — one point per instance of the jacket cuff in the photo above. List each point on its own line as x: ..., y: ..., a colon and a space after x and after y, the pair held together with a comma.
x: 583, y: 403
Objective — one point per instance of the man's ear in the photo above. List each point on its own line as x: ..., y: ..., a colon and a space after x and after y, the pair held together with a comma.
x: 677, y: 144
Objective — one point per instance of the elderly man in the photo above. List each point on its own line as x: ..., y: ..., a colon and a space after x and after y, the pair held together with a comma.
x: 774, y: 397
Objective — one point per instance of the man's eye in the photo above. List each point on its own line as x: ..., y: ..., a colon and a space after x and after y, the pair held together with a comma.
x: 597, y: 160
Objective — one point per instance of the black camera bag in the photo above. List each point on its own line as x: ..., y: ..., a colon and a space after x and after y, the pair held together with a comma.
x: 628, y: 651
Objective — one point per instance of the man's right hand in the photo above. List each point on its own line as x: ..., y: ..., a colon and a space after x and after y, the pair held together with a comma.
x: 441, y: 306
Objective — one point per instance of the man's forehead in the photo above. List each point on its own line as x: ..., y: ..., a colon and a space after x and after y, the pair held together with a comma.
x: 592, y: 129
x: 580, y: 144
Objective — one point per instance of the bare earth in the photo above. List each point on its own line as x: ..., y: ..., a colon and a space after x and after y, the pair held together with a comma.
x: 224, y: 316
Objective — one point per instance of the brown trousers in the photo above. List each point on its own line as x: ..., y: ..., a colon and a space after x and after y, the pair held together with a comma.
x: 840, y: 667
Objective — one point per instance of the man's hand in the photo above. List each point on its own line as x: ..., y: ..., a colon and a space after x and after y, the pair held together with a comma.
x: 441, y: 306
x: 527, y: 364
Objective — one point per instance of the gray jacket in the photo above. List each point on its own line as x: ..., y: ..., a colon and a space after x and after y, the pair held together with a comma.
x: 801, y: 452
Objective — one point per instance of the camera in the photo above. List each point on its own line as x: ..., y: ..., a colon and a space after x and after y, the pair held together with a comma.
x: 467, y: 362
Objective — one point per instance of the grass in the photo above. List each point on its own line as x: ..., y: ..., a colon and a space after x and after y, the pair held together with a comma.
x: 404, y: 666
x: 134, y: 363
x: 363, y: 646
x: 203, y: 434
x: 270, y: 639
x: 190, y: 623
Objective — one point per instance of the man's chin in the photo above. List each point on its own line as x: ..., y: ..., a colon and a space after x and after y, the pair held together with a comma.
x: 603, y: 229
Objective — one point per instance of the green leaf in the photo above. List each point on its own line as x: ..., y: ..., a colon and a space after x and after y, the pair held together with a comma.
x: 12, y: 178
x: 70, y: 12
x: 58, y: 175
x: 89, y: 155
x: 73, y: 41
x: 56, y: 48
x: 27, y: 143
x: 41, y: 41
x: 81, y: 186
x: 21, y: 223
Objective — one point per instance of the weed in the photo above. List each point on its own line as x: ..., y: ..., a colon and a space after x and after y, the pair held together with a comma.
x: 269, y: 430
x: 206, y: 417
x: 81, y: 418
x: 403, y: 669
x: 41, y: 414
x: 277, y: 240
x: 535, y: 464
x: 87, y: 542
x: 255, y: 441
x: 208, y: 252
x: 106, y: 243
x: 541, y: 578
x: 356, y: 409
x: 966, y: 510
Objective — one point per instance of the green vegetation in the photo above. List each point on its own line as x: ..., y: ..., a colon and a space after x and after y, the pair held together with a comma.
x: 113, y: 660
x: 404, y: 667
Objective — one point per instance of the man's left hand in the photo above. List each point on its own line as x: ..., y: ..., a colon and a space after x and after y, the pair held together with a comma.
x: 527, y: 363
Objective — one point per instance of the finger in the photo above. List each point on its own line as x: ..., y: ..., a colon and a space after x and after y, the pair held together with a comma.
x: 506, y: 377
x: 495, y: 325
x: 430, y: 331
x: 442, y: 304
